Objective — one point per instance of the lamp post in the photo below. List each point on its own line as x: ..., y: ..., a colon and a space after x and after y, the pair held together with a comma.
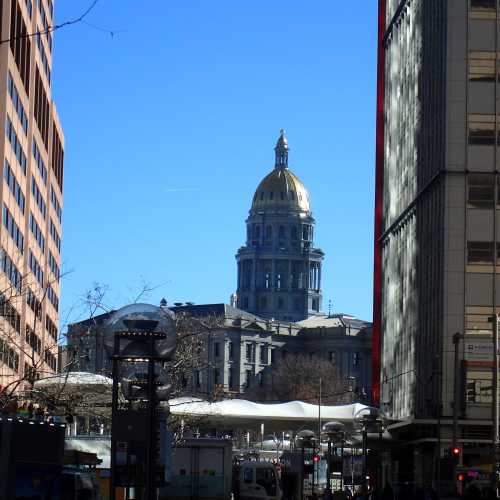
x: 495, y: 410
x: 369, y: 420
x: 333, y: 430
x: 305, y: 438
x: 142, y: 334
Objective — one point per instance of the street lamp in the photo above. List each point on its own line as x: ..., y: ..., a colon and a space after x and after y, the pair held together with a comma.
x: 369, y: 420
x: 143, y: 334
x: 334, y: 430
x: 305, y: 438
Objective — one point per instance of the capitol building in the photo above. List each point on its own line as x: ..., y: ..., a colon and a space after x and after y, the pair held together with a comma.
x: 276, y: 310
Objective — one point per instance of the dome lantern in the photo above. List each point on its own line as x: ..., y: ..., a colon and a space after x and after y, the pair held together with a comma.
x: 281, y: 151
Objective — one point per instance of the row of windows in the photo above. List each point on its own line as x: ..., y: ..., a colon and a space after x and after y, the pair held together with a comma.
x: 41, y: 109
x: 57, y: 158
x: 254, y: 232
x: 20, y: 44
x: 43, y: 56
x: 36, y: 269
x: 12, y: 272
x: 37, y: 233
x: 34, y: 304
x: 13, y: 229
x: 15, y: 144
x: 483, y: 9
x: 55, y: 203
x: 39, y: 161
x: 29, y: 6
x: 14, y: 186
x: 482, y: 253
x: 16, y: 102
x: 9, y: 312
x: 8, y: 355
x: 37, y: 195
x: 52, y: 296
x: 53, y: 266
x: 281, y: 196
x: 45, y: 22
x: 33, y: 340
x: 54, y: 234
x: 51, y: 328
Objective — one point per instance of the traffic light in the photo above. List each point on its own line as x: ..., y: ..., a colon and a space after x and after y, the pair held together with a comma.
x: 461, y: 477
x: 316, y: 458
x: 455, y: 452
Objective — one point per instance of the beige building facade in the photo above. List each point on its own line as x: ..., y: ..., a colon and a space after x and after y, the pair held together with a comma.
x: 32, y: 157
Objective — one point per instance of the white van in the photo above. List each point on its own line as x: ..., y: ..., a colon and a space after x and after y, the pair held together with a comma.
x: 258, y: 481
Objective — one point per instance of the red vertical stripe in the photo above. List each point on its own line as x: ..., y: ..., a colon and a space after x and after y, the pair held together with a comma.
x: 379, y: 173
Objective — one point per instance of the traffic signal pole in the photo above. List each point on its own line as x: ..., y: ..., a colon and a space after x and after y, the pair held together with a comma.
x: 456, y: 342
x: 496, y: 435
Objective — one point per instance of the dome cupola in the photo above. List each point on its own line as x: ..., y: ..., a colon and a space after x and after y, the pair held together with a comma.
x: 281, y: 189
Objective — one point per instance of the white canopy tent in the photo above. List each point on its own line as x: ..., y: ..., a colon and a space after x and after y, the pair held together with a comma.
x: 238, y: 412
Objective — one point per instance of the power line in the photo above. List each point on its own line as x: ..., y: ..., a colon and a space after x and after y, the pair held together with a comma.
x: 55, y: 27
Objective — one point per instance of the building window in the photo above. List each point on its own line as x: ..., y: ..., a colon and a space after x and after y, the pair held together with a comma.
x: 13, y: 229
x: 216, y: 376
x: 37, y: 233
x: 264, y: 356
x: 197, y: 379
x: 477, y: 320
x: 267, y: 280
x: 483, y: 5
x: 54, y: 234
x: 39, y: 162
x: 279, y: 281
x: 250, y: 352
x: 36, y: 269
x: 15, y: 144
x: 269, y: 232
x: 231, y: 378
x: 14, y: 186
x: 480, y: 253
x: 356, y: 359
x: 230, y: 348
x: 273, y: 355
x: 217, y: 349
x: 281, y: 232
x: 331, y: 356
x: 482, y: 67
x: 315, y: 305
x: 248, y: 378
x: 16, y: 102
x: 481, y: 129
x: 481, y: 191
x: 37, y: 195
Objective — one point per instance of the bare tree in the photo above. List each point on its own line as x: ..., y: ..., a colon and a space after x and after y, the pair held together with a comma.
x: 27, y: 352
x: 297, y: 377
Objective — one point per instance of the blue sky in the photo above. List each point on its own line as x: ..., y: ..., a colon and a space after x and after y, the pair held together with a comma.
x: 170, y: 125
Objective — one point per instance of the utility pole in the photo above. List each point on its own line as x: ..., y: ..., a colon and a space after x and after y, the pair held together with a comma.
x: 456, y: 342
x: 496, y: 435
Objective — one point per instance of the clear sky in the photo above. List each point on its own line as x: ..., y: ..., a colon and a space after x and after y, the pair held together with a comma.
x: 170, y: 124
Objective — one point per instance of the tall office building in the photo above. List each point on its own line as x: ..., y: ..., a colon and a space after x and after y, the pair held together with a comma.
x: 32, y: 151
x: 279, y: 268
x: 437, y: 228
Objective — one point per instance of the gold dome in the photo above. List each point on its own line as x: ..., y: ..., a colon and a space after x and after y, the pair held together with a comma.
x: 281, y: 189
